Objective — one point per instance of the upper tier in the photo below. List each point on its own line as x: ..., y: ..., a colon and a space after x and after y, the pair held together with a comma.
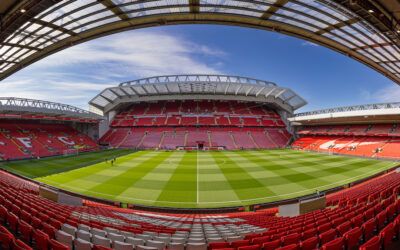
x: 197, y: 113
x: 26, y: 139
x: 196, y: 87
x: 392, y: 130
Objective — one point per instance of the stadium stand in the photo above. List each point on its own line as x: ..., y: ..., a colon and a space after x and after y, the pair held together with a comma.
x: 361, y: 216
x: 373, y: 140
x: 26, y: 139
x: 210, y: 123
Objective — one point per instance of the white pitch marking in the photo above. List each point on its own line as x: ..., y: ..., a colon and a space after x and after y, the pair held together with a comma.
x: 197, y: 167
x: 212, y: 202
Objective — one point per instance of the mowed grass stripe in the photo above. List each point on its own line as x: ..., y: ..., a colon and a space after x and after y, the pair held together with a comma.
x: 323, y: 171
x: 119, y: 183
x: 83, y: 179
x: 226, y: 178
x: 182, y: 186
x: 58, y: 164
x: 317, y: 172
x: 265, y: 171
x: 338, y: 167
x: 148, y: 188
x: 245, y: 186
x: 287, y: 173
x: 98, y: 172
x: 321, y: 167
x: 213, y: 185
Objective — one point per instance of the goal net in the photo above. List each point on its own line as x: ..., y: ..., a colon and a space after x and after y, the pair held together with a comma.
x: 68, y: 152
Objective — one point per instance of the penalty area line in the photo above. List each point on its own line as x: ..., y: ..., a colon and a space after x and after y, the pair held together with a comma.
x: 197, y: 168
x: 212, y: 202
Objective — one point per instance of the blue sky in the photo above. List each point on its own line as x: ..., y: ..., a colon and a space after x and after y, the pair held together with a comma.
x: 321, y: 76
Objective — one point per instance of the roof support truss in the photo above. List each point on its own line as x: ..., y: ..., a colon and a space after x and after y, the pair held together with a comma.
x: 21, y: 46
x: 126, y: 93
x: 194, y: 6
x: 197, y: 87
x: 115, y: 9
x: 50, y: 25
x: 108, y: 99
x: 274, y: 8
x: 134, y: 90
x: 338, y: 25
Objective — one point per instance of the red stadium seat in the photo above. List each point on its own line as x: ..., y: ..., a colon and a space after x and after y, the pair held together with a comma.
x: 381, y: 219
x: 336, y: 244
x: 41, y: 239
x: 19, y: 245
x: 251, y: 236
x: 55, y: 245
x: 343, y: 228
x: 290, y: 247
x: 290, y: 239
x: 25, y: 216
x: 15, y: 210
x: 387, y: 234
x: 323, y: 228
x: 271, y: 245
x: 253, y: 247
x: 36, y: 223
x: 353, y: 237
x: 6, y: 238
x: 372, y: 244
x: 3, y: 214
x: 8, y: 204
x: 391, y: 209
x: 12, y: 221
x: 33, y: 212
x: 97, y: 247
x: 218, y: 245
x: 309, y: 244
x: 338, y: 221
x: 378, y: 208
x: 309, y: 233
x: 26, y: 230
x: 370, y: 213
x: 260, y: 240
x: 240, y: 243
x: 43, y: 217
x: 357, y: 221
x: 49, y: 230
x: 308, y: 226
x: 368, y: 228
x: 327, y: 236
x: 277, y: 236
x: 322, y: 221
x: 55, y: 223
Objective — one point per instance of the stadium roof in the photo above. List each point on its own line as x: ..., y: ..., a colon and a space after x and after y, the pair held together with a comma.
x: 13, y: 106
x: 367, y: 31
x: 375, y: 113
x: 210, y: 87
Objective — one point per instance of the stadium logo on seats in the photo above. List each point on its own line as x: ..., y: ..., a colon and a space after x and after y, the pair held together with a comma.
x: 65, y: 140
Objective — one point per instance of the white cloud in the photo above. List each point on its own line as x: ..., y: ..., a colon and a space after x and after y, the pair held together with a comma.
x: 307, y: 43
x: 77, y: 74
x: 389, y: 93
x: 142, y: 52
x: 365, y: 94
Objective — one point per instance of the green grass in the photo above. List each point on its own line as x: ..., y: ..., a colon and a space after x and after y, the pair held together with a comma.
x: 53, y: 165
x: 202, y: 179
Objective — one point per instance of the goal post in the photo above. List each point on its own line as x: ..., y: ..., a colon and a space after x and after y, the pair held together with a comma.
x: 68, y: 152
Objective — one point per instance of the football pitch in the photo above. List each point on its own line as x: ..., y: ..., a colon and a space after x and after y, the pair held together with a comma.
x: 199, y: 179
